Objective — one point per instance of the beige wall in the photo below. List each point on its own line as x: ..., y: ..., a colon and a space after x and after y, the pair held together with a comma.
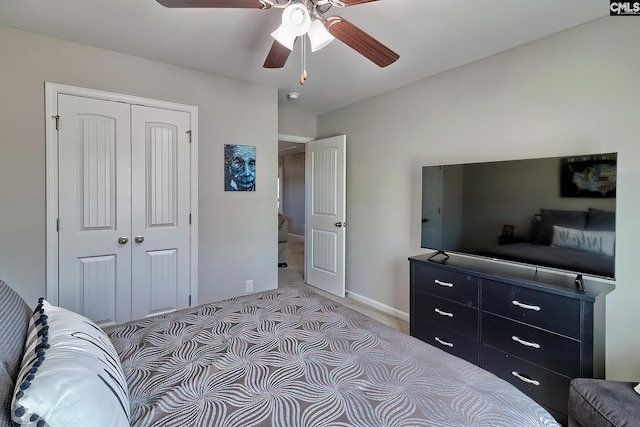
x: 235, y: 229
x: 293, y: 122
x: 572, y: 92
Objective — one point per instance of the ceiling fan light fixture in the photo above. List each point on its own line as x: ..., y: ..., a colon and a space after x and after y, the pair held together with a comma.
x: 296, y: 19
x: 284, y: 37
x: 318, y: 35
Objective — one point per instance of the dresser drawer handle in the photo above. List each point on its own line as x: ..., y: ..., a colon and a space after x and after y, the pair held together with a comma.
x: 448, y: 344
x: 525, y: 379
x: 445, y: 284
x: 525, y: 306
x: 443, y: 313
x: 527, y: 343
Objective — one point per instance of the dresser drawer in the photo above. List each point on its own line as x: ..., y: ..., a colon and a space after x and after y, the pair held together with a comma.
x: 448, y: 314
x: 553, y: 351
x: 548, y: 311
x: 454, y: 343
x: 446, y: 284
x: 545, y: 387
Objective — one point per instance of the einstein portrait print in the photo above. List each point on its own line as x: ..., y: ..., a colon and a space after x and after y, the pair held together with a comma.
x: 239, y: 168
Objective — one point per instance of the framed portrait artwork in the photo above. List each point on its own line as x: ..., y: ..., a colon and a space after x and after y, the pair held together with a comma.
x: 239, y: 167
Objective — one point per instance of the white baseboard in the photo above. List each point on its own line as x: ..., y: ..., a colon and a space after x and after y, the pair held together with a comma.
x: 377, y: 305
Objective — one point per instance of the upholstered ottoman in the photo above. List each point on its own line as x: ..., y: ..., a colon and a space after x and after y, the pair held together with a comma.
x: 602, y: 403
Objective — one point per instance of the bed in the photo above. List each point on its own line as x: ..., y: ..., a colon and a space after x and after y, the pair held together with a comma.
x: 278, y: 358
x: 581, y: 241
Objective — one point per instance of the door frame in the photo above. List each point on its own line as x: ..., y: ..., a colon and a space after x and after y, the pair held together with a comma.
x: 300, y: 140
x: 52, y: 90
x: 306, y: 140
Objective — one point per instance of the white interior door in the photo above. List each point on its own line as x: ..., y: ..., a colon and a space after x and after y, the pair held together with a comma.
x: 95, y: 208
x: 160, y: 204
x: 124, y: 209
x: 326, y: 214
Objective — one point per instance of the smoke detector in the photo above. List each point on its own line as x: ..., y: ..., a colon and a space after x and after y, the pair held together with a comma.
x: 293, y: 96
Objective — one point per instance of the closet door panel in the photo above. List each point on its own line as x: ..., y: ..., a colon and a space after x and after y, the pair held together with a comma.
x: 160, y: 210
x: 94, y: 142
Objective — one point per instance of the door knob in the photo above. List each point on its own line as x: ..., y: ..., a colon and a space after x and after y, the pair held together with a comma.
x: 139, y: 239
x: 338, y: 224
x: 123, y: 240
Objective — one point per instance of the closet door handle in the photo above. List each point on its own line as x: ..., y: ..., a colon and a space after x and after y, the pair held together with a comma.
x: 123, y: 240
x: 139, y: 239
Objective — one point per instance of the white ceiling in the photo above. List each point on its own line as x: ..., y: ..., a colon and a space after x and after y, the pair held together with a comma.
x: 431, y: 36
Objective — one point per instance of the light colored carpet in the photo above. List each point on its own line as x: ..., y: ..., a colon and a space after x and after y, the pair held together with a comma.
x: 292, y: 276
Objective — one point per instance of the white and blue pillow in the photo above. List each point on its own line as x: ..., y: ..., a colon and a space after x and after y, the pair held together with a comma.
x: 597, y: 242
x: 70, y: 374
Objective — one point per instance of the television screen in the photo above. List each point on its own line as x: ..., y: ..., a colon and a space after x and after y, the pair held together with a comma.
x: 556, y: 212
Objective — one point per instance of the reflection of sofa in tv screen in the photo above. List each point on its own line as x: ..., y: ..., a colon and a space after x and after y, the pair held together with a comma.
x: 581, y: 241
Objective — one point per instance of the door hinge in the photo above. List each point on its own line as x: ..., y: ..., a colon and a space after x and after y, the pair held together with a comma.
x: 189, y: 300
x: 57, y: 224
x: 189, y: 132
x: 57, y: 117
x: 189, y: 218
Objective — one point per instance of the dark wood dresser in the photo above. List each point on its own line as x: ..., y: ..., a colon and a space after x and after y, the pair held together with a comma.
x: 530, y: 327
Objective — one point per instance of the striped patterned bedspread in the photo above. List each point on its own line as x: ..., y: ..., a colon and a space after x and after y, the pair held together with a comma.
x: 290, y: 358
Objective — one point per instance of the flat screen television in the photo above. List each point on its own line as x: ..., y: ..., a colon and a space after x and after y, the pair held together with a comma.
x: 556, y: 213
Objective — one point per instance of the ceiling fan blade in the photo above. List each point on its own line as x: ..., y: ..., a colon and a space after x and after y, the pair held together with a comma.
x: 360, y: 41
x: 355, y: 2
x: 277, y: 56
x: 239, y: 4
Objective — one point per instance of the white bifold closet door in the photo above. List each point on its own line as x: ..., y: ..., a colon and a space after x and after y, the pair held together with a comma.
x: 124, y: 184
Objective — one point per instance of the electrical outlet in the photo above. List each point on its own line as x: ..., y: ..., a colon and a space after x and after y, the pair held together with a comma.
x: 248, y: 285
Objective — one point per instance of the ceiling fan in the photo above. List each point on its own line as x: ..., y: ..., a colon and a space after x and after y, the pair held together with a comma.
x: 302, y: 19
